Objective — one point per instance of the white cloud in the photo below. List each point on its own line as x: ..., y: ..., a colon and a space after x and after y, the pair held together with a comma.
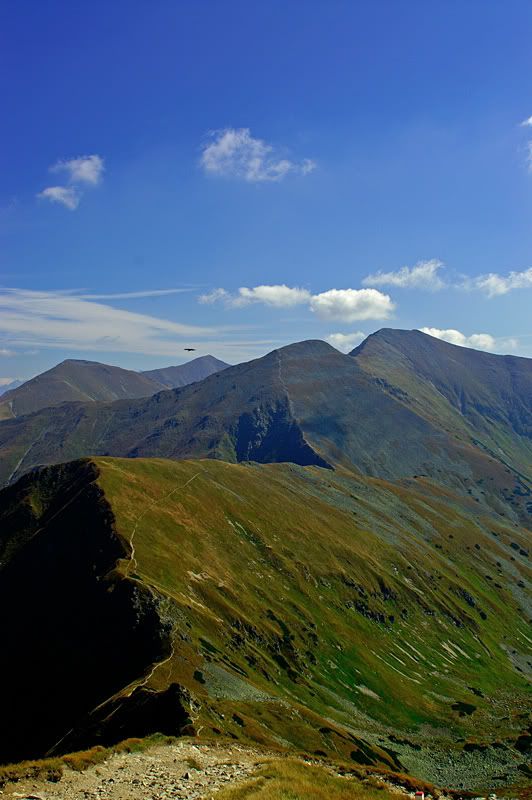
x: 352, y: 304
x: 347, y: 305
x: 279, y: 296
x: 65, y: 195
x: 84, y: 169
x: 214, y: 296
x: 235, y: 153
x: 494, y: 284
x: 345, y: 342
x: 4, y: 351
x: 423, y: 275
x: 478, y: 341
x: 527, y: 123
x: 7, y: 381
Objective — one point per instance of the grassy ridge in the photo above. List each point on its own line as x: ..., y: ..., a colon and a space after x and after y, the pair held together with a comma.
x: 294, y: 607
x: 298, y: 595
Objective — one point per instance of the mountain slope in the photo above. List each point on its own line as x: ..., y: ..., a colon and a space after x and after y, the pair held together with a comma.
x: 306, y: 403
x: 484, y: 396
x: 183, y: 374
x: 272, y: 603
x: 75, y: 380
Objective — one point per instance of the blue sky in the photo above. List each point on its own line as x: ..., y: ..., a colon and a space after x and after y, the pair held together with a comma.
x: 235, y: 176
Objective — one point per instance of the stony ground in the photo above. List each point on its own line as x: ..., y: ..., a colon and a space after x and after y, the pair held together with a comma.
x: 184, y: 771
x: 161, y: 773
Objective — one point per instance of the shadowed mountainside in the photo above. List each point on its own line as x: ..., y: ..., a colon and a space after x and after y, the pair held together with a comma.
x: 272, y: 603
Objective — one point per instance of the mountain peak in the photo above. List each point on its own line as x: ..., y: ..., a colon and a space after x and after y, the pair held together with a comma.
x: 391, y: 336
x: 307, y: 348
x: 83, y: 361
x: 191, y: 371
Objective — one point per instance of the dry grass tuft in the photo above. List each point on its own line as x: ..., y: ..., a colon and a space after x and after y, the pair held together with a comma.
x: 288, y: 779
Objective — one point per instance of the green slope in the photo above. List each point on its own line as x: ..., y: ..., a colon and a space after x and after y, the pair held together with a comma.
x: 286, y: 605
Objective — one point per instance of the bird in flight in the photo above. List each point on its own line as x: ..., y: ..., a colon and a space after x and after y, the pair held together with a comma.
x: 189, y: 349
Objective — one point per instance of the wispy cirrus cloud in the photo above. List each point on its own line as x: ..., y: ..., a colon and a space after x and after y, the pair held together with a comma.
x: 235, y: 153
x: 345, y: 342
x: 346, y: 305
x: 134, y: 295
x: 423, y: 275
x: 72, y: 321
x: 83, y: 170
x: 478, y: 341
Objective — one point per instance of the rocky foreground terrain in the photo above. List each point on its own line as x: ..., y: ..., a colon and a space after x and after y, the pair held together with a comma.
x: 184, y: 771
x: 167, y: 771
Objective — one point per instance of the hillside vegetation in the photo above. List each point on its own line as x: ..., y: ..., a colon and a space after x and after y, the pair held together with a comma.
x: 384, y: 624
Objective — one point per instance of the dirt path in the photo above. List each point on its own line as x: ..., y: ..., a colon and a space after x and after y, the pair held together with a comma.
x: 183, y: 771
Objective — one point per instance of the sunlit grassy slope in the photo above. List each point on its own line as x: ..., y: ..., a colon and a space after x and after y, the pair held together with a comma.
x: 296, y: 592
x: 295, y: 607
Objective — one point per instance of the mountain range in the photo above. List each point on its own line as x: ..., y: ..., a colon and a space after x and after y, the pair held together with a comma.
x: 402, y: 404
x: 314, y: 551
x: 74, y: 380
